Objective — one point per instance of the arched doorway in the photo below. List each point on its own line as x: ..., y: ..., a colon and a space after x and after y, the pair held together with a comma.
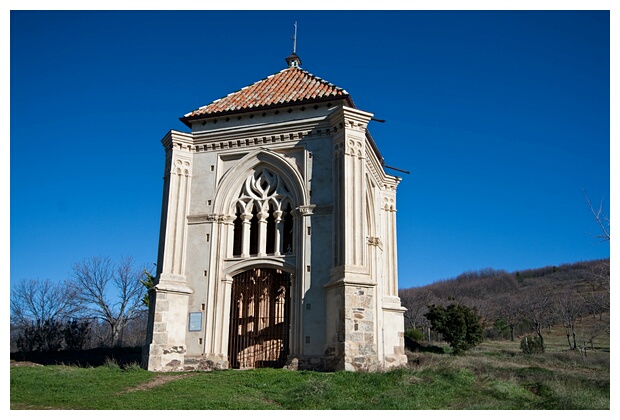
x: 259, y: 319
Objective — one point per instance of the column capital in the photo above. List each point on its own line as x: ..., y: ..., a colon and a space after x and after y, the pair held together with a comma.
x: 304, y: 210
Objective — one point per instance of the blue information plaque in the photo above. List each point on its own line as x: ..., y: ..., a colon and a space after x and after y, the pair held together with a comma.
x: 195, y: 321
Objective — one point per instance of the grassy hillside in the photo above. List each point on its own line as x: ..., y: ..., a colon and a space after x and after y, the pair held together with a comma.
x: 494, y: 376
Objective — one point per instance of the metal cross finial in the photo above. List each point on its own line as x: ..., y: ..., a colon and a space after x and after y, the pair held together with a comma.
x: 293, y: 60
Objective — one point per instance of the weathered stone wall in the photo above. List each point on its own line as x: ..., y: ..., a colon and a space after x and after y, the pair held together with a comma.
x: 206, y: 363
x: 166, y: 351
x: 360, y: 336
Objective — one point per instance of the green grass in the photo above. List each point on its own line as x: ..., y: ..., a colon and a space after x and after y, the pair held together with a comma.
x: 494, y: 376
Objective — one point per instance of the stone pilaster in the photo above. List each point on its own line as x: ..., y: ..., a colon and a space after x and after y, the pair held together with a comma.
x: 168, y: 312
x: 351, y: 293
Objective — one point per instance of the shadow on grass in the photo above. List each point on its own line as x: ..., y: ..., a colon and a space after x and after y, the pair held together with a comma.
x: 123, y: 356
x: 414, y: 346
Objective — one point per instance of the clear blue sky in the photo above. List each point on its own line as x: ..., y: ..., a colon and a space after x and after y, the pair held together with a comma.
x: 502, y: 118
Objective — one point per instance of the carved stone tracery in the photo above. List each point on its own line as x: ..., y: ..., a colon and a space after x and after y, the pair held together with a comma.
x: 263, y: 215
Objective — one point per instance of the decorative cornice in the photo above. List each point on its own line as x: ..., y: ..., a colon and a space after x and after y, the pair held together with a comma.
x: 352, y: 118
x: 269, y: 132
x: 177, y: 140
x: 374, y: 167
x: 259, y: 137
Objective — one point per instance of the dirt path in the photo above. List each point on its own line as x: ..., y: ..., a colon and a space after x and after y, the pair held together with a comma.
x: 157, y: 381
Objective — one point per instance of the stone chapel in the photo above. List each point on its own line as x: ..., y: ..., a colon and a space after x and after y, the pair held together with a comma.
x: 278, y: 236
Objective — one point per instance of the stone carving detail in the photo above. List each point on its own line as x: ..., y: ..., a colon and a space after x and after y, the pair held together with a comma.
x: 339, y: 149
x: 360, y: 126
x: 305, y: 210
x: 355, y: 148
x: 217, y: 218
x: 194, y: 219
x: 182, y: 167
x: 389, y: 204
x: 373, y: 240
x: 262, y: 189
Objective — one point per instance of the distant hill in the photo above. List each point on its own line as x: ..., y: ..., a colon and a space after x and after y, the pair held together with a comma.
x: 552, y: 294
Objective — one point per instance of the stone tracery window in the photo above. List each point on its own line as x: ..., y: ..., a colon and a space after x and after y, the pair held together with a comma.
x: 263, y: 221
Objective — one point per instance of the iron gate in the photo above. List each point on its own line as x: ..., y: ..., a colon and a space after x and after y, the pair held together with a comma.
x: 259, y: 319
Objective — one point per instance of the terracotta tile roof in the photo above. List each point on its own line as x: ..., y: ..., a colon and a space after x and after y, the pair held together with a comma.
x: 290, y: 86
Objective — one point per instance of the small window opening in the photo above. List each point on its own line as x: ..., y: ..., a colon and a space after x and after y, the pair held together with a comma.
x: 287, y: 241
x: 238, y: 231
x: 271, y: 231
x: 254, y: 231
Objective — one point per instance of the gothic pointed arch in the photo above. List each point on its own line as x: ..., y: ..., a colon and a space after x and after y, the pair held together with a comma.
x: 259, y: 196
x: 229, y: 184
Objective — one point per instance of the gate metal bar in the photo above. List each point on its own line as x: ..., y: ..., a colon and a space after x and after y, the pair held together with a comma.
x: 259, y: 319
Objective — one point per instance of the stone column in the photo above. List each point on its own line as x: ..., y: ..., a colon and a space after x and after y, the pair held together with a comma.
x: 245, y: 235
x: 279, y: 232
x: 223, y: 319
x: 262, y: 233
x: 229, y: 229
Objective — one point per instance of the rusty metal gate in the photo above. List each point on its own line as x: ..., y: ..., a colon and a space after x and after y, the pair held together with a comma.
x: 259, y: 319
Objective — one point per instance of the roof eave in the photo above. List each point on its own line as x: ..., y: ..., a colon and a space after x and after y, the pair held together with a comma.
x: 375, y: 148
x: 188, y: 120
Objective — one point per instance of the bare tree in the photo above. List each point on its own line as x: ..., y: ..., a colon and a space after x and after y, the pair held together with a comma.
x: 598, y: 329
x: 568, y: 308
x: 600, y: 282
x: 537, y: 308
x: 508, y: 310
x: 35, y: 300
x: 110, y: 292
x: 601, y: 219
x: 597, y: 299
x: 416, y: 302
